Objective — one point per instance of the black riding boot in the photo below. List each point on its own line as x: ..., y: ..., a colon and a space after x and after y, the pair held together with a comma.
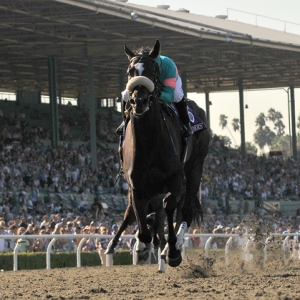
x: 184, y: 117
x: 120, y: 129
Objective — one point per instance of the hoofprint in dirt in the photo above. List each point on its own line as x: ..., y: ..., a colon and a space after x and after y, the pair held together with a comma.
x: 196, y: 278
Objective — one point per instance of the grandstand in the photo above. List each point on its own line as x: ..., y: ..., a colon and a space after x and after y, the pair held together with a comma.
x: 34, y: 130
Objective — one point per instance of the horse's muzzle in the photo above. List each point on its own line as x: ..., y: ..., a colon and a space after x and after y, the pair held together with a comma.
x: 139, y: 106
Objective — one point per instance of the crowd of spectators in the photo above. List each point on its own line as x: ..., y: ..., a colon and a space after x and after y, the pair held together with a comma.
x: 26, y: 125
x: 228, y: 176
x: 29, y: 169
x: 60, y: 227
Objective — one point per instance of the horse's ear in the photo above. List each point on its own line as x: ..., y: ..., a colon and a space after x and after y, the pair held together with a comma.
x: 155, y: 50
x: 128, y: 52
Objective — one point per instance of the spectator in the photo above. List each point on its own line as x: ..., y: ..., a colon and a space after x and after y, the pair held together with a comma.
x: 22, y: 244
x: 12, y: 230
x: 101, y: 244
x: 77, y: 231
x: 89, y: 245
x: 41, y: 244
x: 196, y: 241
x: 96, y: 208
x: 218, y: 243
x: 4, y: 244
x: 29, y: 231
x: 114, y: 228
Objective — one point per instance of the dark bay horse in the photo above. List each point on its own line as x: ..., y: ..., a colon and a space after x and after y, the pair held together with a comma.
x: 152, y: 157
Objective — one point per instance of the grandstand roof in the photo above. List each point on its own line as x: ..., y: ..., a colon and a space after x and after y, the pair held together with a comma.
x: 214, y: 53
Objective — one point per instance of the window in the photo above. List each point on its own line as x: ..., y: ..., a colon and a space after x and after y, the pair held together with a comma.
x: 106, y: 102
x: 8, y: 96
x: 65, y: 101
x: 45, y: 99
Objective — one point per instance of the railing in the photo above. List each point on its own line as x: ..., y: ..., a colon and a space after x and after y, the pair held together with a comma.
x: 246, y: 248
x: 265, y: 21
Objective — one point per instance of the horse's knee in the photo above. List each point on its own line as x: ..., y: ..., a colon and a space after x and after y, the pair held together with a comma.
x: 145, y: 237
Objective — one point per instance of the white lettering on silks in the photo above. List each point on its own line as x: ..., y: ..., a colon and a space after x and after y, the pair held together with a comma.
x: 197, y: 127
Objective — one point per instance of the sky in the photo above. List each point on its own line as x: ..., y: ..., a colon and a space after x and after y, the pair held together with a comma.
x: 276, y: 14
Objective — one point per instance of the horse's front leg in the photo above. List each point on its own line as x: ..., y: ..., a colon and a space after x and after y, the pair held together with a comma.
x: 140, y: 207
x: 174, y: 254
x: 129, y: 218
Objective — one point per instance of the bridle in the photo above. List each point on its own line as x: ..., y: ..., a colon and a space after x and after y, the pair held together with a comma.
x: 140, y: 58
x: 131, y: 72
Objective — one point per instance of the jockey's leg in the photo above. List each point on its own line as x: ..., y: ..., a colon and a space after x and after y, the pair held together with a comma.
x: 184, y: 117
x: 120, y: 129
x: 120, y: 151
x: 125, y: 111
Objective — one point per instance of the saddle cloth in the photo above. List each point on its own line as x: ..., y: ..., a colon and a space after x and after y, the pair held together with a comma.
x: 196, y: 122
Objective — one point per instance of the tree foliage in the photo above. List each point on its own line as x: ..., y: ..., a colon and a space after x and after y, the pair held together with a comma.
x: 235, y: 124
x: 282, y: 142
x: 276, y: 117
x: 223, y: 123
x: 298, y: 123
x: 260, y: 120
x: 226, y: 140
x: 264, y: 135
x: 250, y: 148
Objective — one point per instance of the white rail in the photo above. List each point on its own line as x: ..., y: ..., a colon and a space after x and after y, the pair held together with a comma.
x: 109, y: 262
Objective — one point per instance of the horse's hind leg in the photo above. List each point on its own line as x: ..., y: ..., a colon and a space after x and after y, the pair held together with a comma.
x: 174, y: 254
x: 129, y: 218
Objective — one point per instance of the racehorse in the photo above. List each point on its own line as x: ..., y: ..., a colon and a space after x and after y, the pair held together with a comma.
x: 157, y: 159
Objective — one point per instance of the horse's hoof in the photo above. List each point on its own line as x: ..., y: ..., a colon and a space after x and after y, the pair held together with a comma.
x: 175, y: 261
x: 143, y: 255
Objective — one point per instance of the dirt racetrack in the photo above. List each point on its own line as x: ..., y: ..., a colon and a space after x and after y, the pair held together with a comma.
x: 195, y: 278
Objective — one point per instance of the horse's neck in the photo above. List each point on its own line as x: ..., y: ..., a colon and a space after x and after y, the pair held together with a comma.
x: 149, y: 128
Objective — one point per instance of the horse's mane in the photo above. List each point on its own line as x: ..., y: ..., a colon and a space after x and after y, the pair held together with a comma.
x: 141, y: 50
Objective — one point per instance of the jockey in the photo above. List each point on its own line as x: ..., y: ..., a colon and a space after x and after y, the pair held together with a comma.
x: 170, y: 86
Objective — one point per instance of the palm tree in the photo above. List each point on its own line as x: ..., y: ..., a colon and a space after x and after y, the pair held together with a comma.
x: 223, y: 121
x: 250, y: 148
x: 276, y: 117
x: 264, y: 136
x: 235, y: 124
x: 298, y: 123
x: 261, y: 120
x: 223, y: 124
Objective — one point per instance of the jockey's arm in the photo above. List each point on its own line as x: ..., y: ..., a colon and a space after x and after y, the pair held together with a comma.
x: 167, y: 95
x: 168, y: 80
